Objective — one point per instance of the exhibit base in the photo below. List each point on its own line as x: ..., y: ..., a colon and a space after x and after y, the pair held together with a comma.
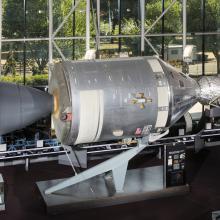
x: 2, y: 207
x: 140, y: 184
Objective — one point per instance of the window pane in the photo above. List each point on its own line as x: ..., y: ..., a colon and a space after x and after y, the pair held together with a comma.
x: 156, y: 43
x: 212, y: 17
x: 12, y: 62
x: 153, y: 11
x: 195, y: 67
x: 71, y: 49
x: 194, y: 16
x: 36, y: 18
x: 173, y: 18
x: 109, y: 48
x: 131, y: 47
x: 13, y: 19
x: 212, y: 54
x: 37, y: 58
x: 130, y: 17
x: 76, y: 23
x: 109, y: 17
x: 173, y: 52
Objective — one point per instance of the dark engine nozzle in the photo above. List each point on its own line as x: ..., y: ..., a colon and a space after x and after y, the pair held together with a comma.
x: 21, y: 106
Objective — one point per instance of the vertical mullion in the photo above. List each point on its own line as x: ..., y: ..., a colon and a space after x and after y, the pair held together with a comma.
x: 203, y: 36
x: 162, y: 30
x: 24, y: 44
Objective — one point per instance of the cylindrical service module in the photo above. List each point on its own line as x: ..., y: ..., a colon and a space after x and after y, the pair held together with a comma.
x: 102, y: 100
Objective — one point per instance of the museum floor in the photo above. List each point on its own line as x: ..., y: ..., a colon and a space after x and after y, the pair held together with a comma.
x: 24, y: 202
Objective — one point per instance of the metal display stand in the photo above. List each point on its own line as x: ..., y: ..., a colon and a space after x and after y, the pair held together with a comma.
x: 108, y: 183
x: 2, y: 195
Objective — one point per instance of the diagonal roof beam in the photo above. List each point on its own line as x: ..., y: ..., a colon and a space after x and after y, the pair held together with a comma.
x: 158, y: 19
x: 66, y: 18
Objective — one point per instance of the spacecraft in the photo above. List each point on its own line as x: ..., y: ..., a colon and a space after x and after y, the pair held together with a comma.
x: 101, y: 100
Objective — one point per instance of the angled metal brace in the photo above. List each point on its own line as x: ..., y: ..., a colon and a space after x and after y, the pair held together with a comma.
x: 66, y: 18
x: 158, y: 19
x: 109, y: 165
x: 212, y: 102
x: 117, y: 164
x: 151, y: 46
x: 59, y: 50
x: 119, y: 175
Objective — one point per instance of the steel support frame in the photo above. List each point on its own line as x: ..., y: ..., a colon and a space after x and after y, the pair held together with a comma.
x: 142, y: 9
x: 52, y: 37
x: 65, y: 18
x: 87, y: 37
x: 109, y: 36
x: 117, y: 165
x: 50, y: 9
x: 87, y: 25
x: 185, y: 67
x: 98, y: 10
x: 24, y: 43
x: 184, y: 4
x: 203, y: 15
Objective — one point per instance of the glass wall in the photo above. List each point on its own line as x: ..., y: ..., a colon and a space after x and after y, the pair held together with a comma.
x: 25, y: 36
x: 204, y: 32
x: 23, y: 61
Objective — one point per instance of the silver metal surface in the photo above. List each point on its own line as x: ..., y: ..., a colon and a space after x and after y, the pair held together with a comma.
x: 117, y: 164
x: 140, y: 184
x: 21, y: 106
x: 32, y: 153
x: 2, y: 194
x: 215, y: 215
x: 184, y: 93
x: 143, y: 16
x: 210, y: 89
x: 184, y: 6
x: 118, y: 98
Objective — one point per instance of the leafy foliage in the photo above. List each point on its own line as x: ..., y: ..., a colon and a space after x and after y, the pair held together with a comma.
x: 34, y: 80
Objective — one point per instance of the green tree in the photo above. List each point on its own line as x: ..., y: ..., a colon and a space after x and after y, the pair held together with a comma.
x: 10, y: 65
x: 75, y: 26
x: 36, y: 26
x: 212, y: 24
x: 153, y: 11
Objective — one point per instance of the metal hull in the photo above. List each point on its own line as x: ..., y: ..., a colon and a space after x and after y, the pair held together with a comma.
x: 115, y: 99
x: 21, y: 106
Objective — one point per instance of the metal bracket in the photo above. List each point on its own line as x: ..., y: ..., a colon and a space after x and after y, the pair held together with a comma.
x: 212, y: 102
x: 117, y: 164
x: 119, y: 175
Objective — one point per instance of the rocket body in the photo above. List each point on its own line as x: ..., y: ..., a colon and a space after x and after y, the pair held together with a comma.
x: 102, y: 100
x: 21, y: 106
x: 119, y: 98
